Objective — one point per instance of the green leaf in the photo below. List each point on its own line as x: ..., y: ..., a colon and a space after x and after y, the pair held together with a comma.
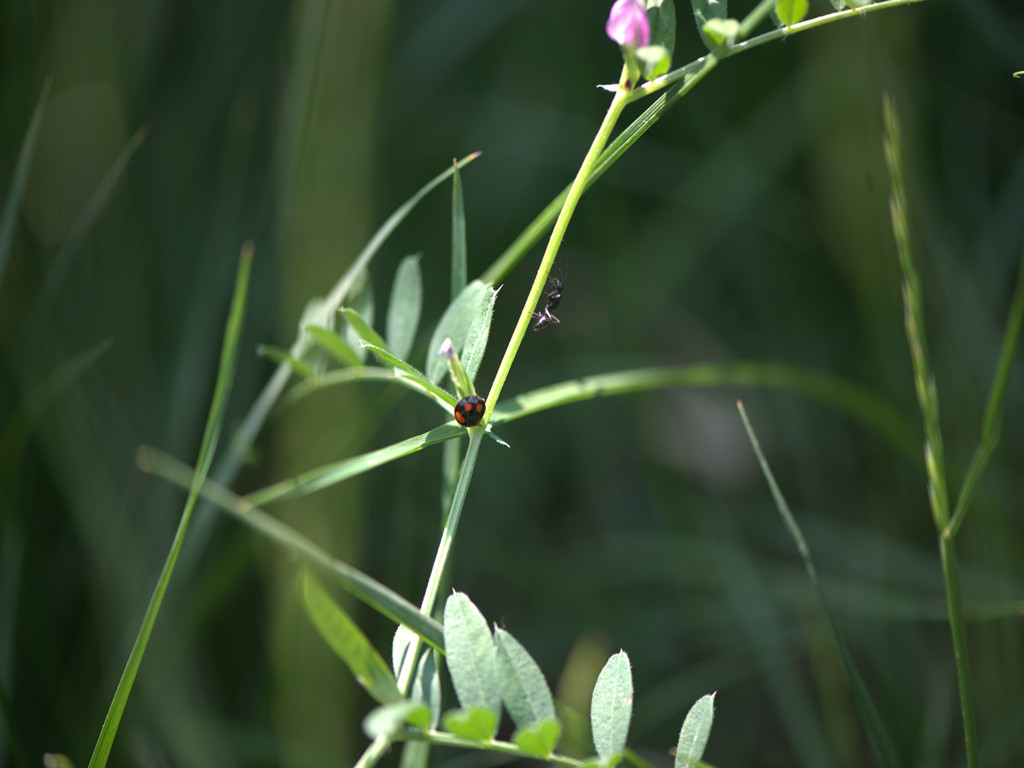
x: 362, y: 304
x: 611, y: 707
x: 20, y: 178
x: 839, y: 5
x: 459, y: 250
x: 471, y: 657
x: 790, y: 12
x: 362, y: 327
x: 426, y: 686
x: 278, y: 355
x: 211, y: 436
x: 404, y: 308
x: 693, y: 737
x: 381, y: 598
x: 315, y: 313
x: 401, y: 644
x: 539, y: 739
x: 661, y: 14
x: 523, y: 687
x: 655, y: 60
x: 338, y: 471
x: 721, y: 31
x: 390, y: 718
x: 476, y: 723
x: 333, y: 345
x: 455, y: 324
x: 476, y: 339
x: 703, y: 12
x: 345, y: 638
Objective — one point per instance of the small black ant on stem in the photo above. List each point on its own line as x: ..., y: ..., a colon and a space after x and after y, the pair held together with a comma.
x: 545, y: 317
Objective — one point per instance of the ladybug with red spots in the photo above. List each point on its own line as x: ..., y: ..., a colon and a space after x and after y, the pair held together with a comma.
x: 469, y: 410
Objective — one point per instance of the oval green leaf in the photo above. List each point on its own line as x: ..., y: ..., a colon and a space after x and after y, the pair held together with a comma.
x: 693, y: 737
x: 455, y: 323
x: 470, y: 654
x: 476, y: 723
x: 790, y: 11
x: 523, y: 687
x: 405, y: 306
x: 539, y: 739
x: 703, y: 12
x: 386, y: 720
x: 611, y: 707
x: 661, y: 14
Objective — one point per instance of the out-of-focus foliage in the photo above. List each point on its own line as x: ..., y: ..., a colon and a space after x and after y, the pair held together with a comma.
x: 750, y: 224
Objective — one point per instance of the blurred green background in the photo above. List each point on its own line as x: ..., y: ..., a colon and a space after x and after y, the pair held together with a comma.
x: 750, y: 224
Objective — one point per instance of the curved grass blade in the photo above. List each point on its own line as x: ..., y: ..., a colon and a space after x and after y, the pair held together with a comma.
x: 404, y: 307
x: 58, y: 271
x: 345, y: 638
x: 20, y: 178
x: 333, y: 345
x: 225, y: 375
x: 339, y: 471
x: 832, y: 390
x: 873, y: 722
x: 381, y: 598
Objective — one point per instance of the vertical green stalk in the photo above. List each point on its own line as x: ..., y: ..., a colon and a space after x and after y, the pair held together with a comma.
x: 928, y: 400
x: 619, y: 101
x: 211, y: 434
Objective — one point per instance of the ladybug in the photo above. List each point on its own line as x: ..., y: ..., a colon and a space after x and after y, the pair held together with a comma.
x: 469, y: 410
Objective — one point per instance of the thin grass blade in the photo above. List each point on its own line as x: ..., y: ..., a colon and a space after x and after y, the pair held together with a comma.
x: 211, y: 434
x: 20, y: 178
x: 873, y: 723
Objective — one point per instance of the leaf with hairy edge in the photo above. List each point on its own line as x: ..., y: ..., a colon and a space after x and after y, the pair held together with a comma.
x: 361, y: 327
x: 455, y: 324
x: 348, y: 641
x: 471, y: 657
x: 693, y: 737
x: 523, y: 687
x: 611, y: 707
x: 404, y: 308
x: 476, y: 339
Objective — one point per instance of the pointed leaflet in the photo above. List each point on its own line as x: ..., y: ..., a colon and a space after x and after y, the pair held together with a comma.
x: 462, y: 315
x: 693, y: 737
x: 523, y: 687
x: 470, y: 653
x: 703, y: 12
x: 476, y: 339
x: 611, y: 707
x: 404, y: 308
x: 459, y: 269
x: 361, y: 327
x: 661, y: 14
x: 334, y: 345
x: 347, y: 640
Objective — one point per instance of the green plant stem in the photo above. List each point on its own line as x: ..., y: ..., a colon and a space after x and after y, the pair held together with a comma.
x: 955, y: 605
x: 619, y: 100
x: 444, y: 739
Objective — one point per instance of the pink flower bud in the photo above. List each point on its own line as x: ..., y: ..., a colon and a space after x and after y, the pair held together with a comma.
x: 627, y: 24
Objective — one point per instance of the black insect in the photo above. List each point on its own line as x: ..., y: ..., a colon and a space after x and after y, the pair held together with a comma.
x: 546, y: 317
